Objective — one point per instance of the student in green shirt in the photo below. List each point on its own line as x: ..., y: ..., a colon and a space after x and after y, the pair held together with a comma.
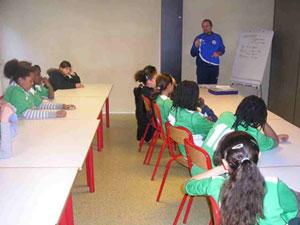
x: 251, y: 117
x: 245, y: 197
x: 185, y: 112
x: 165, y: 86
x: 41, y: 84
x: 18, y: 94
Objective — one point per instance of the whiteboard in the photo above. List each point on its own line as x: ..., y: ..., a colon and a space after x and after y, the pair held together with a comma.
x: 251, y: 57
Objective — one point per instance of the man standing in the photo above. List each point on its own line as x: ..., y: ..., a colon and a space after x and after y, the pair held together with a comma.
x: 207, y: 47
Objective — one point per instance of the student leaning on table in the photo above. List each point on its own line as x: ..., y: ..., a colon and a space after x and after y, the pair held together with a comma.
x: 8, y: 120
x: 185, y: 112
x: 18, y: 95
x: 64, y: 77
x: 244, y: 196
x: 251, y: 117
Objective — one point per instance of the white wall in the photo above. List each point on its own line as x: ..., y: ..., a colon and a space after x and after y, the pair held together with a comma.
x: 230, y: 18
x: 106, y: 41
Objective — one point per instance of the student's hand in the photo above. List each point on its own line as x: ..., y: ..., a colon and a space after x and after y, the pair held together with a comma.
x: 283, y: 137
x: 61, y: 113
x: 69, y: 107
x: 79, y: 85
x: 197, y: 43
x: 6, y: 112
x: 46, y: 82
x: 216, y: 54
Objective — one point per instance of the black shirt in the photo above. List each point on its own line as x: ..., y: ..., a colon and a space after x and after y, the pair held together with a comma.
x: 59, y: 81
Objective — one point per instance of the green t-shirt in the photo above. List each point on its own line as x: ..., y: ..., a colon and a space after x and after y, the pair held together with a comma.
x: 194, y: 121
x: 42, y: 90
x: 19, y: 98
x: 36, y: 98
x: 165, y: 104
x: 279, y: 203
x: 224, y: 126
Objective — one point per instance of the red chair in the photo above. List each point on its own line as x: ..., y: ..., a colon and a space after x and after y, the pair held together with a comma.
x: 199, y: 157
x: 159, y: 132
x: 174, y: 135
x: 147, y: 104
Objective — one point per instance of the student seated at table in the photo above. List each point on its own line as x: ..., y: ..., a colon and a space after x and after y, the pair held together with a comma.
x: 18, y: 93
x: 205, y: 110
x: 41, y: 84
x: 251, y: 117
x: 9, y: 121
x: 146, y: 78
x: 184, y: 112
x: 244, y: 195
x: 64, y: 77
x: 164, y: 86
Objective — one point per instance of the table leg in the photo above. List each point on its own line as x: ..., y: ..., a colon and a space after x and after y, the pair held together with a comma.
x: 90, y: 170
x: 107, y: 112
x: 69, y: 211
x: 100, y: 132
x: 66, y: 217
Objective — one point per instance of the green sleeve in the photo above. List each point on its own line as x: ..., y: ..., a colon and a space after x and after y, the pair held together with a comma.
x: 210, y: 187
x: 201, y: 125
x: 167, y: 106
x: 288, y: 202
x: 36, y: 99
x: 43, y: 92
x: 265, y: 143
x: 20, y: 101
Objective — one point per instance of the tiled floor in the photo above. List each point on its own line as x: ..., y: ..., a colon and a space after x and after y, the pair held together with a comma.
x: 124, y: 192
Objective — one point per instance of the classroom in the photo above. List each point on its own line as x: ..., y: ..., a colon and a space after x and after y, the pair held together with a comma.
x: 141, y: 112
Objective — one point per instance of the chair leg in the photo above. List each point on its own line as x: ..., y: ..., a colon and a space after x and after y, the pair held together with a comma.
x: 180, y: 209
x: 211, y: 222
x: 150, y: 147
x: 188, y: 208
x: 158, y: 159
x: 164, y: 179
x: 143, y: 138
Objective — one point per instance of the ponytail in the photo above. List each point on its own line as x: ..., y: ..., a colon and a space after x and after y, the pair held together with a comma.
x: 242, y: 196
x: 162, y: 82
x: 15, y: 69
x: 145, y: 74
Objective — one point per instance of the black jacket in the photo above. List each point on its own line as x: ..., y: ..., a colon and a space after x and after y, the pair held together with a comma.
x: 59, y: 81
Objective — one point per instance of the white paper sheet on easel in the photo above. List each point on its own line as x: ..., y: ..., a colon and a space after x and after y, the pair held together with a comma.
x: 251, y: 57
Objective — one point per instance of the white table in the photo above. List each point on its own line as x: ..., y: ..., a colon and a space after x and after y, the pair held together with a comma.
x: 51, y: 143
x: 34, y: 196
x: 289, y: 175
x: 89, y: 90
x: 286, y: 154
x: 86, y: 107
x: 223, y: 103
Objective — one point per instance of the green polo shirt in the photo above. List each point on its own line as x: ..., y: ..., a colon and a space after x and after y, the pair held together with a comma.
x: 279, y: 203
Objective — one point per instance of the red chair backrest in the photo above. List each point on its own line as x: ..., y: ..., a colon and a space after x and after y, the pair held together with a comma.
x: 177, y: 135
x: 197, y: 156
x: 158, y: 120
x: 215, y: 211
x: 149, y: 111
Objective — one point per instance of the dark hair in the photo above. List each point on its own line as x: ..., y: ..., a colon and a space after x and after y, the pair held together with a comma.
x: 65, y: 64
x: 252, y: 111
x: 145, y: 74
x: 15, y: 69
x: 37, y: 68
x: 162, y: 81
x: 186, y: 95
x: 208, y: 21
x: 242, y: 194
